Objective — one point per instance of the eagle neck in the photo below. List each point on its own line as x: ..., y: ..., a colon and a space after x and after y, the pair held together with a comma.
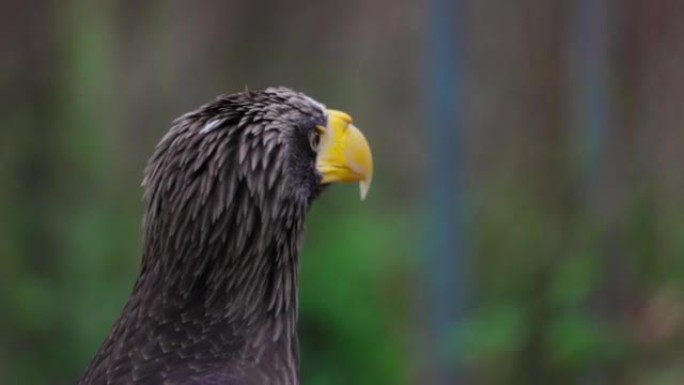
x: 240, y: 270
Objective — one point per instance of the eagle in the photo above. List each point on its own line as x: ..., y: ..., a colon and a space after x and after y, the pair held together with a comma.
x: 227, y: 192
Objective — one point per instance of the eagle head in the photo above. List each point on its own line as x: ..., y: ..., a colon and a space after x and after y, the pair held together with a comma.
x: 227, y: 191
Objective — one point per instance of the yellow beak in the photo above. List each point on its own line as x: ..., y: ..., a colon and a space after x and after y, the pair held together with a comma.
x: 343, y: 153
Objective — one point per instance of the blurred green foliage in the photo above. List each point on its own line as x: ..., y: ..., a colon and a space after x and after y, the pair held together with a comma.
x: 349, y: 299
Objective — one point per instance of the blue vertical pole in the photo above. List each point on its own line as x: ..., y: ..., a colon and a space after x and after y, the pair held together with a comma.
x: 590, y: 74
x: 591, y: 70
x: 446, y: 267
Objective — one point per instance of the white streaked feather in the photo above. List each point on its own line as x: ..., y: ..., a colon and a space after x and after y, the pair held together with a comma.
x: 211, y: 125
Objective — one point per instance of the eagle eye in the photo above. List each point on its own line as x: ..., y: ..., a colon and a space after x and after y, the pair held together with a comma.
x: 315, y: 140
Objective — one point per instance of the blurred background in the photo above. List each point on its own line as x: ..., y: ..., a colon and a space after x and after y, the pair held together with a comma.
x: 526, y: 223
